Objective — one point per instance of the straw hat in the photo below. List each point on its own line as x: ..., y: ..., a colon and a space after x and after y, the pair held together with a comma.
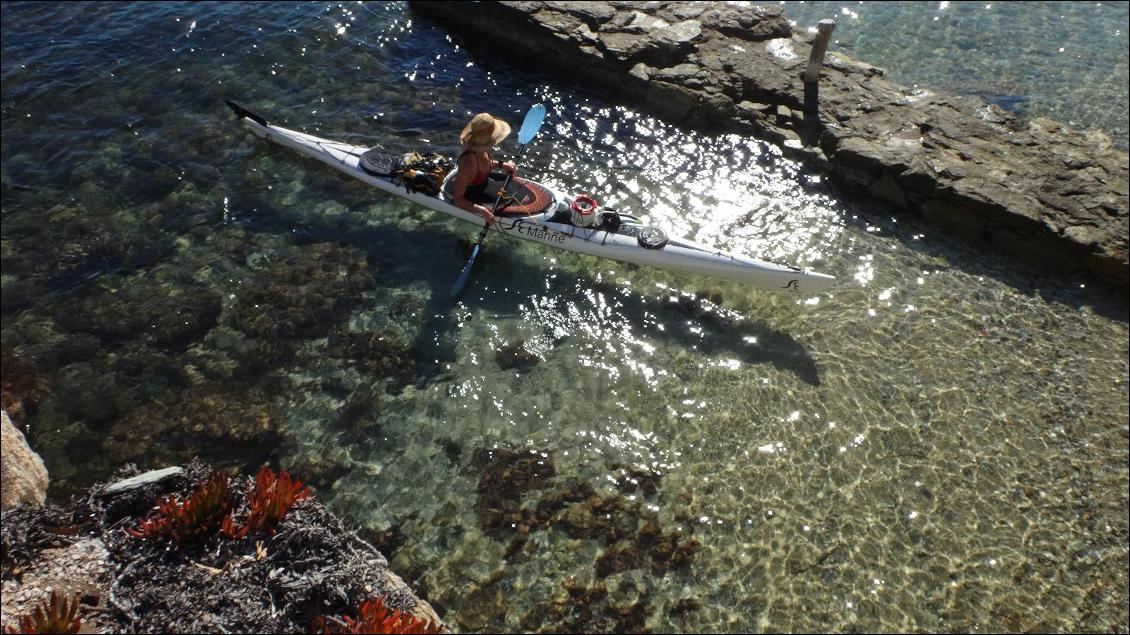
x: 483, y: 132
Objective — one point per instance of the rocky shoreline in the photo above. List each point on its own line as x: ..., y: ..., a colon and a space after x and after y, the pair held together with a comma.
x: 309, y: 567
x: 1051, y: 197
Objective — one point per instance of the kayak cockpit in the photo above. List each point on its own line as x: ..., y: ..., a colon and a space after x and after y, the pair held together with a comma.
x: 523, y: 197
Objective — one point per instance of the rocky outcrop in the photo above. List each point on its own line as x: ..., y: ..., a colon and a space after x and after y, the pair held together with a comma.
x: 275, y: 581
x: 1036, y: 189
x: 23, y: 477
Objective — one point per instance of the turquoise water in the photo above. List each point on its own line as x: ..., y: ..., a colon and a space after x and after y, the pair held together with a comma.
x: 938, y: 443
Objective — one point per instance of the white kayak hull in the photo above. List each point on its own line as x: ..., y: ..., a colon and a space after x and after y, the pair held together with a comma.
x: 677, y: 255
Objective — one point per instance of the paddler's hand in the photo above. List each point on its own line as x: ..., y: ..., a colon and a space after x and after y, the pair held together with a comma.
x: 486, y: 214
x: 510, y: 167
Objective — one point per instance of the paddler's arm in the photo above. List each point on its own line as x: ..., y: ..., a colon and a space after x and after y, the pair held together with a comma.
x: 498, y: 163
x: 508, y: 166
x: 459, y: 190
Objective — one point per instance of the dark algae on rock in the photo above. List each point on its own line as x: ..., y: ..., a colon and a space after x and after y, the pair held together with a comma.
x: 519, y: 494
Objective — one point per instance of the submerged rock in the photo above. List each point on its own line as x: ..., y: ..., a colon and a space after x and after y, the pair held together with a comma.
x: 380, y: 353
x: 118, y: 310
x: 481, y: 606
x: 301, y: 292
x: 630, y: 533
x: 237, y: 428
x: 578, y: 608
x: 507, y: 476
x: 515, y: 356
x: 21, y: 386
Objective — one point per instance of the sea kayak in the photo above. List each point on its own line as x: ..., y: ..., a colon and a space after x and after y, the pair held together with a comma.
x: 544, y: 215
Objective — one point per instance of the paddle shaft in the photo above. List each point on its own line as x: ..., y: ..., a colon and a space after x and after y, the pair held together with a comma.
x: 529, y: 130
x: 494, y: 210
x: 483, y: 233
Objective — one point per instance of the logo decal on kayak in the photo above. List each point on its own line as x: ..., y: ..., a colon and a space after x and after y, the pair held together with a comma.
x: 532, y: 230
x: 793, y: 285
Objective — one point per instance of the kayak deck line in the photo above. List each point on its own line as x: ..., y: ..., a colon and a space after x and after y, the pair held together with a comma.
x: 628, y: 240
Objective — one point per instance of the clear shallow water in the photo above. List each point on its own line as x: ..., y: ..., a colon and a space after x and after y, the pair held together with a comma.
x: 1062, y: 60
x: 938, y: 443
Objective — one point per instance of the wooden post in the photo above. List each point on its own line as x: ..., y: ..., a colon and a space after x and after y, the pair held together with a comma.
x: 819, y: 47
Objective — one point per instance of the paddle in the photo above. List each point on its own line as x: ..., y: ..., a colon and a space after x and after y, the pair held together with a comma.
x: 530, y: 127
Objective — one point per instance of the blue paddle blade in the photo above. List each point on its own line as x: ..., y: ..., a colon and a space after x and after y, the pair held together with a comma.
x: 531, y: 124
x: 465, y: 274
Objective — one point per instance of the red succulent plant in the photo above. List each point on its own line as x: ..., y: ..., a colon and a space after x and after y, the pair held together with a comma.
x: 196, y: 517
x: 269, y: 502
x: 375, y: 617
x: 58, y: 615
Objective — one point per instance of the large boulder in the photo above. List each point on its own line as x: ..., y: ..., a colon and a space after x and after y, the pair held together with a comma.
x: 23, y: 477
